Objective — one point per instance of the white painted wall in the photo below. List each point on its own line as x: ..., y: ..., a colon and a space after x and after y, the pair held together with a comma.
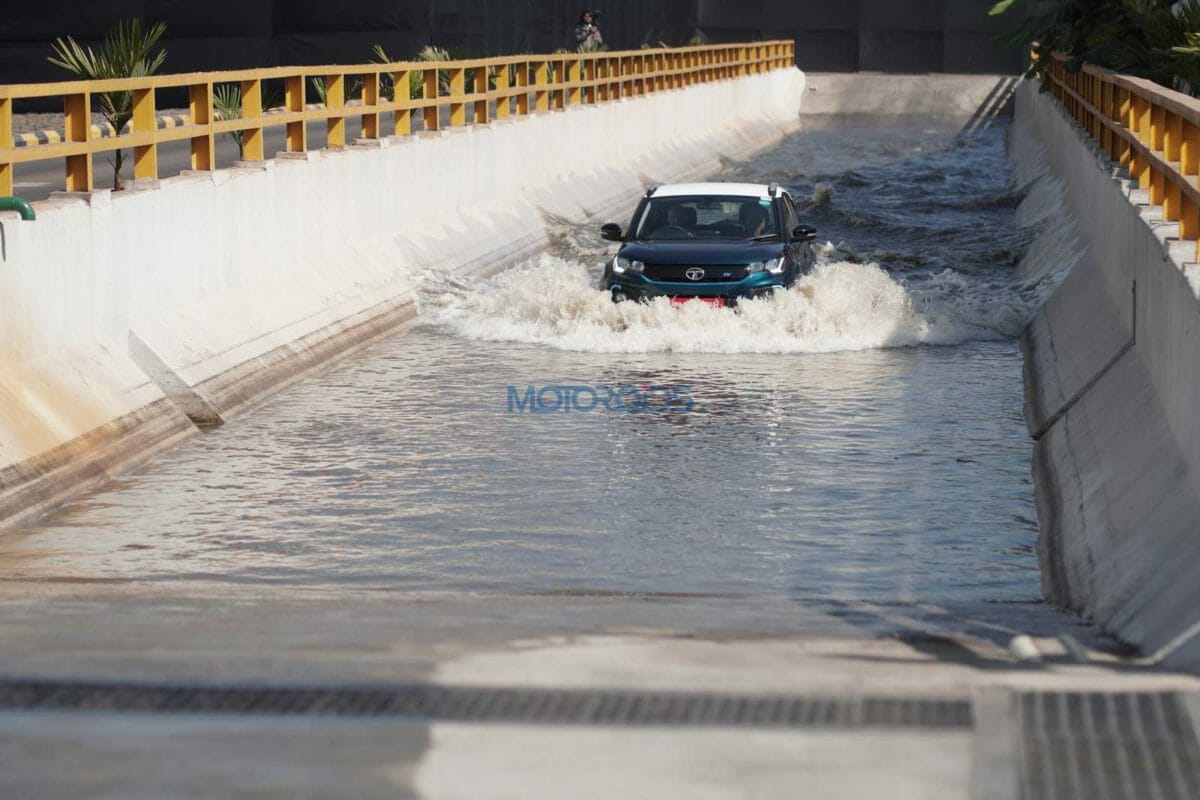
x: 226, y: 285
x: 1118, y: 474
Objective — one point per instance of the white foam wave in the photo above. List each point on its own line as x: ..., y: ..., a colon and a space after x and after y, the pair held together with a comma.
x: 840, y: 306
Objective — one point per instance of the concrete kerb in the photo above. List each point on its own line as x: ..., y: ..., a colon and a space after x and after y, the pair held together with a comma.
x: 196, y: 321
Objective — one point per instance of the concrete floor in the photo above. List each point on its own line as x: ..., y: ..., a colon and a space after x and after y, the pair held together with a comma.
x: 254, y: 634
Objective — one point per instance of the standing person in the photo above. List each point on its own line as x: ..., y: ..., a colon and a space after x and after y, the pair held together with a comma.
x: 587, y: 34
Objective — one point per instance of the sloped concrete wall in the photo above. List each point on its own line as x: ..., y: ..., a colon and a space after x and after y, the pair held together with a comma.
x: 1113, y: 401
x: 127, y: 320
x: 836, y: 98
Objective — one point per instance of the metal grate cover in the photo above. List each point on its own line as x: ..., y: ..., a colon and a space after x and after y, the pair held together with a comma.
x: 1107, y: 747
x: 462, y: 704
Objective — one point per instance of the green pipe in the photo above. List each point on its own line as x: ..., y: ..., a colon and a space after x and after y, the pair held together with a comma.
x: 18, y: 204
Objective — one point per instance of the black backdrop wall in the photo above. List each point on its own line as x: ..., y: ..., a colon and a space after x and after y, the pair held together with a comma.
x: 832, y: 35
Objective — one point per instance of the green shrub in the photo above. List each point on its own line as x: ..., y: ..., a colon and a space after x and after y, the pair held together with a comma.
x: 128, y: 51
x: 1155, y: 39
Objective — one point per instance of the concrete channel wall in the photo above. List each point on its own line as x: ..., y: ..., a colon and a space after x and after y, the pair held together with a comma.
x: 128, y: 320
x: 1113, y: 401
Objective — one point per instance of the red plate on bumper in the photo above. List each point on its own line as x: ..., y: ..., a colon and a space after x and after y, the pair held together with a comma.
x: 719, y: 302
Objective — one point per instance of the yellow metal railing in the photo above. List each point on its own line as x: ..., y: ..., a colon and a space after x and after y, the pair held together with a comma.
x: 472, y: 91
x: 1150, y: 129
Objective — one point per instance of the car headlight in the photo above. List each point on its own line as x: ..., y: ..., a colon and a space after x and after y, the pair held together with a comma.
x: 774, y: 266
x: 622, y: 265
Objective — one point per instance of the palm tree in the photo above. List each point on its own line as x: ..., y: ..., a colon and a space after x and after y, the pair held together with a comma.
x: 126, y: 52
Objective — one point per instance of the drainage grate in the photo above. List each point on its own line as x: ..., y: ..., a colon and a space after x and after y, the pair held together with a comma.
x: 1107, y: 747
x: 461, y: 704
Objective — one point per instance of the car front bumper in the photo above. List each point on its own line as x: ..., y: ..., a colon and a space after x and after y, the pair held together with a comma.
x: 634, y: 286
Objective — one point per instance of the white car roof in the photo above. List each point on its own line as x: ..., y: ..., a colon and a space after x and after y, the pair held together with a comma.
x: 714, y: 190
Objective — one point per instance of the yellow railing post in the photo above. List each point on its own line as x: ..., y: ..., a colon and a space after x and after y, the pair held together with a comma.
x: 458, y: 88
x: 601, y: 74
x: 77, y: 124
x: 1144, y: 110
x: 1189, y: 165
x: 1172, y: 144
x: 588, y: 73
x: 6, y: 142
x: 252, y: 138
x: 1158, y: 127
x: 370, y: 98
x: 204, y: 149
x: 402, y: 97
x: 575, y: 79
x: 1094, y: 101
x: 1124, y: 115
x: 1113, y: 110
x: 145, y: 121
x: 335, y: 100
x: 541, y: 78
x: 1158, y: 178
x: 297, y: 131
x: 502, y: 85
x: 1138, y: 168
x: 558, y: 74
x: 1080, y: 112
x: 430, y: 90
x: 479, y: 86
x: 522, y: 68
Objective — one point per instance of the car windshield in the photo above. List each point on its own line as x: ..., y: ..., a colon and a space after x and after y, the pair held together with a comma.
x: 671, y: 218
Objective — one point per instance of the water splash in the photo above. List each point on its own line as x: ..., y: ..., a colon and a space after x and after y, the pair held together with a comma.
x: 929, y: 251
x: 840, y: 306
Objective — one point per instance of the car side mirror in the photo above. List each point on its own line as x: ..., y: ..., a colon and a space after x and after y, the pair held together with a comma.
x: 804, y: 233
x: 611, y: 232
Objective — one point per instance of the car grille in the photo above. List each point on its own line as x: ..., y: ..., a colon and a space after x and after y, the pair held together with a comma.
x: 677, y: 273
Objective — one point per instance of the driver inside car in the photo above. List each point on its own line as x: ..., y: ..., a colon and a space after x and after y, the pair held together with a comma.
x: 682, y: 217
x: 681, y: 222
x: 754, y: 220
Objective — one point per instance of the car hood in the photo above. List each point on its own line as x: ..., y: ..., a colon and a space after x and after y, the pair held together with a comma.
x: 702, y: 252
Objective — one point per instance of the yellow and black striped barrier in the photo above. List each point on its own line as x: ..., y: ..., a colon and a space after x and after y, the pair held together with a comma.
x: 101, y: 131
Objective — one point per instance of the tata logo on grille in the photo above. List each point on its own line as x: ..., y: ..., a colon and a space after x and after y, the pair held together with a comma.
x: 694, y: 274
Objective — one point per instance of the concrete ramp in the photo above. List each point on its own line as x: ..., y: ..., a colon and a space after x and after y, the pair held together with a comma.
x: 960, y: 101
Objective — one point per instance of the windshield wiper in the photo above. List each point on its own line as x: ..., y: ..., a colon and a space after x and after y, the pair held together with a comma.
x: 762, y: 237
